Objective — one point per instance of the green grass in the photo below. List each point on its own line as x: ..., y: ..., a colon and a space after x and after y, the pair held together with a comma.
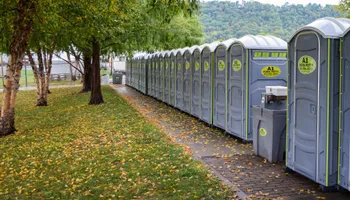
x: 70, y: 150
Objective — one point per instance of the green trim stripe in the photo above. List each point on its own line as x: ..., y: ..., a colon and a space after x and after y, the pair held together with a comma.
x: 246, y: 93
x: 328, y: 110
x: 340, y: 105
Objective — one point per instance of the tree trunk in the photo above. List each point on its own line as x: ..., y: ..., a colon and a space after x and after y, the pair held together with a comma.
x: 18, y: 45
x: 42, y: 97
x: 70, y: 67
x: 48, y: 68
x: 87, y: 73
x: 96, y: 93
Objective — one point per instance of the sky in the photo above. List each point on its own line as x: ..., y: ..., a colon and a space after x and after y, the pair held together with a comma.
x: 281, y: 2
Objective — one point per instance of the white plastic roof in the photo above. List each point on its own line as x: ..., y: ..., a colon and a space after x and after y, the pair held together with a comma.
x: 193, y: 48
x: 262, y: 42
x: 182, y: 51
x: 228, y: 43
x: 212, y: 46
x: 200, y: 48
x: 328, y: 27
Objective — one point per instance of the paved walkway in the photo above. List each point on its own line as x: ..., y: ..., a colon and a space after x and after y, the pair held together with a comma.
x: 229, y: 158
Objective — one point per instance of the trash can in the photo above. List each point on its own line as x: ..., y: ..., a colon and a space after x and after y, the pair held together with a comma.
x: 269, y: 127
x: 117, y: 78
x: 105, y: 79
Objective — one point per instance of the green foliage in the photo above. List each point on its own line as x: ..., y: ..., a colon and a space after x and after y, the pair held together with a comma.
x: 344, y: 6
x: 70, y: 150
x: 223, y: 20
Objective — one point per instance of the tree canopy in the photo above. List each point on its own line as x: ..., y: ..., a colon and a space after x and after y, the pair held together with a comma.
x: 223, y: 19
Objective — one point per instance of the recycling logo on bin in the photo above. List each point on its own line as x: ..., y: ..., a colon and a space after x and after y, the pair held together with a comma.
x: 206, y: 66
x: 263, y: 132
x: 221, y: 65
x: 236, y: 65
x: 306, y: 65
x: 271, y: 71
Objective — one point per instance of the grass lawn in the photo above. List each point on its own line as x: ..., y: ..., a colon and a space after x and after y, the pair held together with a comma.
x: 70, y: 150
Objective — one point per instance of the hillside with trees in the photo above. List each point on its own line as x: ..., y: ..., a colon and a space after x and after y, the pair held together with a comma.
x: 224, y: 19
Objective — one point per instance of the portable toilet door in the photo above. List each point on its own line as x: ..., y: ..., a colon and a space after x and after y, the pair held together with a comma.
x: 220, y: 84
x: 167, y: 77
x: 187, y: 94
x: 256, y: 62
x: 156, y: 76
x: 208, y: 63
x: 172, y: 77
x: 149, y: 74
x: 161, y: 76
x: 344, y: 112
x: 127, y: 68
x: 179, y: 80
x: 196, y: 81
x: 313, y: 82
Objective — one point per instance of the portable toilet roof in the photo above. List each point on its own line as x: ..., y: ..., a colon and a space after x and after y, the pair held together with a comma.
x: 228, y: 43
x: 328, y: 27
x: 262, y: 42
x: 168, y: 53
x: 212, y: 46
x: 182, y: 51
x: 193, y: 48
x: 174, y: 52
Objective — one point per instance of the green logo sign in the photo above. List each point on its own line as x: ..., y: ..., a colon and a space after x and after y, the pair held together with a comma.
x: 221, y: 65
x: 236, y: 65
x: 306, y: 65
x: 197, y: 66
x: 179, y: 66
x: 187, y: 65
x: 206, y: 66
x: 271, y: 71
x: 263, y: 132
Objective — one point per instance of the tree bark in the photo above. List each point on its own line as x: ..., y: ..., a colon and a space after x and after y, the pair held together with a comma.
x: 42, y: 97
x: 87, y: 73
x: 21, y: 31
x: 96, y: 93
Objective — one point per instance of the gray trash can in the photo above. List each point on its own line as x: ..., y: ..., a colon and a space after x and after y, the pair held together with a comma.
x: 117, y: 78
x: 269, y: 131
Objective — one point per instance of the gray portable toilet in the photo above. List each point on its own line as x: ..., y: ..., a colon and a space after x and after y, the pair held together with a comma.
x: 312, y: 117
x: 127, y: 71
x: 207, y: 71
x: 173, y: 77
x: 220, y: 84
x: 161, y: 76
x: 149, y: 74
x: 151, y: 60
x: 156, y: 75
x: 187, y: 84
x: 257, y: 61
x: 196, y: 81
x: 179, y: 78
x: 344, y: 111
x: 167, y: 77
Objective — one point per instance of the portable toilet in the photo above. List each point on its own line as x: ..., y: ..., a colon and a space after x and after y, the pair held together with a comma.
x: 167, y: 77
x: 208, y: 63
x: 256, y: 62
x: 156, y: 75
x: 161, y: 76
x: 145, y: 73
x: 187, y: 76
x: 127, y: 71
x: 313, y: 83
x: 344, y: 113
x: 196, y: 81
x: 180, y: 78
x: 149, y: 74
x: 173, y: 77
x: 220, y: 84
